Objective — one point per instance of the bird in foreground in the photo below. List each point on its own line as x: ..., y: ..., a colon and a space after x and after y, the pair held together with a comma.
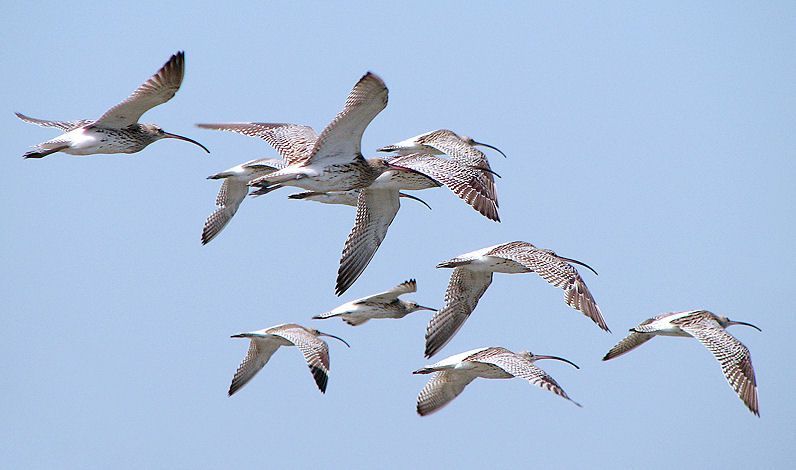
x: 382, y: 305
x: 233, y: 190
x: 472, y: 275
x: 332, y: 161
x: 473, y: 185
x: 266, y: 341
x: 118, y: 130
x: 451, y: 375
x: 710, y: 330
x: 377, y: 207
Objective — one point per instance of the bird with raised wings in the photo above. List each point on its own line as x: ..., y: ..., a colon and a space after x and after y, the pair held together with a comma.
x: 331, y: 161
x: 710, y: 330
x: 382, y: 305
x: 454, y: 373
x: 265, y: 342
x: 472, y: 275
x: 118, y: 130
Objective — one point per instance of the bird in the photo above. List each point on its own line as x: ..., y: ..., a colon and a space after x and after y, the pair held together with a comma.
x: 440, y: 141
x: 345, y: 198
x: 331, y: 161
x: 382, y: 305
x: 266, y: 341
x: 118, y: 130
x: 377, y: 207
x: 233, y: 190
x: 459, y: 147
x: 451, y: 375
x: 472, y: 275
x: 710, y: 330
x: 473, y: 185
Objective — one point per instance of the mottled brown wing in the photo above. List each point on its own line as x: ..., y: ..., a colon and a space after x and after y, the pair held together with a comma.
x: 525, y: 369
x: 465, y: 289
x: 157, y: 90
x: 376, y: 209
x: 341, y: 141
x: 65, y: 126
x: 391, y: 295
x: 733, y: 356
x: 443, y: 387
x: 468, y: 183
x: 258, y: 355
x: 630, y: 342
x: 315, y: 351
x: 558, y: 273
x: 293, y: 141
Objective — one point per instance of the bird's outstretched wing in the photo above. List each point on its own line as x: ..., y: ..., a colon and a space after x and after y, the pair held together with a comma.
x: 465, y: 289
x: 315, y: 351
x: 376, y: 209
x: 293, y: 141
x: 392, y: 294
x: 157, y: 90
x: 733, y: 356
x: 525, y: 369
x: 258, y: 355
x: 65, y: 126
x: 443, y: 387
x: 341, y: 141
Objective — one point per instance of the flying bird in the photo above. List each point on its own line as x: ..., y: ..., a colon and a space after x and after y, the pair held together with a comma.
x: 233, y: 190
x: 451, y: 375
x: 266, y: 341
x: 118, y: 130
x: 381, y: 305
x: 710, y: 330
x: 472, y: 275
x: 377, y: 206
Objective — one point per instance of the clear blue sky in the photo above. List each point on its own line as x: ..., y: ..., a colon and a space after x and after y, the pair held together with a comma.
x: 655, y: 143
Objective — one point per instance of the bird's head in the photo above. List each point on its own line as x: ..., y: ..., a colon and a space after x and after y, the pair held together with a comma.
x: 158, y: 133
x: 321, y: 333
x: 535, y: 357
x: 414, y: 306
x: 725, y: 322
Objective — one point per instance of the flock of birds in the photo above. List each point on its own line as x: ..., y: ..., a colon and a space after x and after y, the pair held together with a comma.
x: 330, y: 168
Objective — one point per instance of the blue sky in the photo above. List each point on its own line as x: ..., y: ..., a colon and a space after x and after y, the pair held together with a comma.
x: 654, y: 142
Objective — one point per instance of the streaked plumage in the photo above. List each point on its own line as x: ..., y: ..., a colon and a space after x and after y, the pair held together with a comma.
x: 472, y: 275
x: 454, y: 373
x: 376, y: 208
x: 382, y: 305
x: 118, y: 130
x: 233, y: 191
x: 710, y: 329
x: 474, y: 186
x: 266, y: 341
x: 333, y: 160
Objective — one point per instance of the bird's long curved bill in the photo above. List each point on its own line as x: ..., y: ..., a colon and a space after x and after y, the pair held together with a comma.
x: 420, y: 307
x: 415, y: 198
x: 537, y: 356
x: 488, y: 170
x: 491, y: 147
x: 581, y: 263
x: 745, y: 324
x: 335, y: 337
x: 169, y: 135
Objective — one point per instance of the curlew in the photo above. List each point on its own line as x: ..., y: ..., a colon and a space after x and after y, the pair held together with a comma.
x: 451, y: 375
x: 233, y: 191
x: 472, y: 275
x: 118, y: 130
x: 377, y: 207
x: 710, y: 330
x: 382, y: 305
x: 345, y: 198
x: 266, y: 341
x: 331, y: 161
